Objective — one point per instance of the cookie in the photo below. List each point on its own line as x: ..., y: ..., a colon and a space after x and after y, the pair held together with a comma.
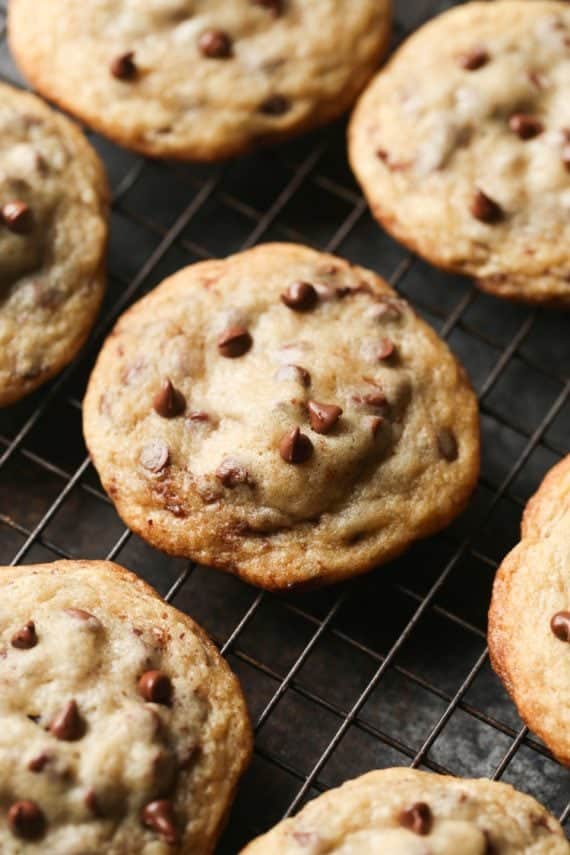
x: 462, y: 146
x: 406, y: 812
x: 123, y: 730
x: 53, y: 213
x: 281, y: 414
x: 200, y: 79
x: 529, y: 619
x: 550, y: 503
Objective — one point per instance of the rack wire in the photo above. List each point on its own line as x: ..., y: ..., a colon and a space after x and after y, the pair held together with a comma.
x: 390, y: 669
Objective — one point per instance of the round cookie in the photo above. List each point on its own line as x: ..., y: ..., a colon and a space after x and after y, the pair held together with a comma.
x: 53, y: 232
x: 529, y: 618
x: 123, y: 730
x: 406, y: 812
x: 200, y: 79
x: 549, y: 503
x: 281, y: 414
x: 462, y: 146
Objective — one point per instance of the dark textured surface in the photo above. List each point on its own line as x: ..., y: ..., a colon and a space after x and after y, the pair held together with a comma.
x: 391, y: 669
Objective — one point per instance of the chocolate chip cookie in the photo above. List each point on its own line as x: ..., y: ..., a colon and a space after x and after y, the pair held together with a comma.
x: 529, y: 620
x: 200, y: 79
x: 550, y: 503
x: 283, y: 415
x: 406, y: 812
x: 122, y: 729
x: 462, y: 146
x: 53, y: 213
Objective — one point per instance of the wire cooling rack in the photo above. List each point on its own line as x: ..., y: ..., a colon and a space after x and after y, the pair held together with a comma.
x: 390, y: 669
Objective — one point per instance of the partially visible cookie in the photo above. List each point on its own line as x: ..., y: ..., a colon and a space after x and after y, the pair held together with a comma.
x: 549, y: 503
x: 529, y: 618
x: 406, y: 812
x: 200, y: 79
x: 53, y: 230
x: 122, y: 730
x: 281, y: 414
x: 462, y: 146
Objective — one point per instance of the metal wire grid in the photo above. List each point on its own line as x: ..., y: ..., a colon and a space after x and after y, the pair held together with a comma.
x: 386, y: 670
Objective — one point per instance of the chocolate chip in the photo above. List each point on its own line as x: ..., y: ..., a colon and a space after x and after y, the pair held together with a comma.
x: 490, y: 848
x: 300, y: 296
x: 526, y: 127
x: 560, y: 625
x: 295, y: 447
x: 447, y: 444
x: 385, y: 349
x: 376, y: 423
x: 295, y: 373
x: 168, y: 401
x: 474, y: 59
x: 39, y: 762
x: 231, y: 473
x: 234, y: 342
x: 156, y: 687
x: 215, y: 44
x: 26, y: 637
x: 418, y: 818
x: 159, y: 816
x: 18, y: 217
x: 68, y: 724
x: 323, y: 417
x: 26, y: 820
x: 274, y: 6
x: 154, y: 455
x: 92, y: 803
x: 275, y: 105
x: 484, y: 208
x: 124, y: 67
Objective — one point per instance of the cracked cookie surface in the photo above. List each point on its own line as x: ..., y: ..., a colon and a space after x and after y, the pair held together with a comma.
x: 462, y: 146
x: 406, y: 812
x: 529, y: 619
x: 281, y: 414
x: 123, y: 731
x: 53, y: 212
x: 200, y: 79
